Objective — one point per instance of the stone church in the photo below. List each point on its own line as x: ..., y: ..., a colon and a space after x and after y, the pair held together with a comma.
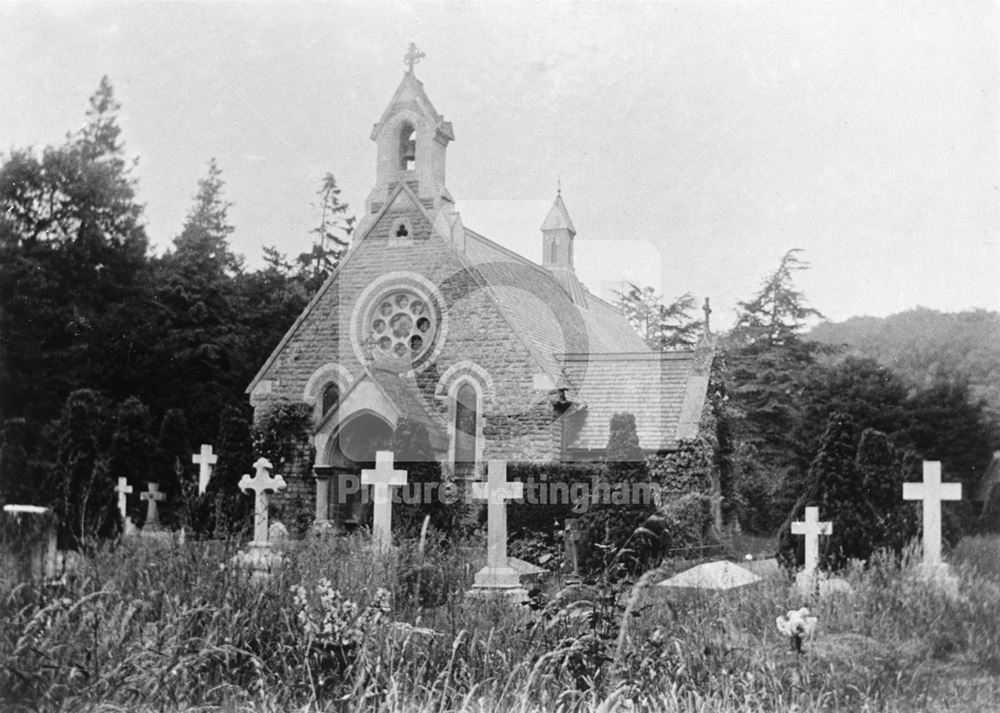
x: 425, y: 319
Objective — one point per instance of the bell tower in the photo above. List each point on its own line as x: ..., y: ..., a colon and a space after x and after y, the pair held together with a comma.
x: 412, y: 139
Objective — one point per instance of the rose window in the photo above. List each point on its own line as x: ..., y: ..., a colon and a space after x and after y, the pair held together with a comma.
x: 401, y: 326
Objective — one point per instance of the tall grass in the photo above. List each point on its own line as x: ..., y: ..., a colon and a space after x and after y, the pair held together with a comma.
x: 143, y: 627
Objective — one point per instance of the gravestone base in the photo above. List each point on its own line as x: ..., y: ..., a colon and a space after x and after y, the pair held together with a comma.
x: 820, y: 584
x: 499, y: 582
x: 262, y: 560
x: 939, y: 576
x: 157, y: 534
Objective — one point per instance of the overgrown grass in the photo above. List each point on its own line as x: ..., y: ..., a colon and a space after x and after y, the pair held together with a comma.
x: 143, y: 627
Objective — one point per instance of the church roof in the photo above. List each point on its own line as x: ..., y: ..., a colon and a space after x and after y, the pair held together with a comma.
x: 665, y: 391
x: 539, y: 307
x: 558, y: 217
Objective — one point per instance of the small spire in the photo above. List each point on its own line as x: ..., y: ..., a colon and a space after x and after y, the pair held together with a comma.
x: 559, y: 186
x: 412, y: 57
x: 708, y: 311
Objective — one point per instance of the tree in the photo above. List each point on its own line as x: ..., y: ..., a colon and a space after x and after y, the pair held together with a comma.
x: 80, y: 480
x: 200, y: 351
x: 834, y: 486
x: 778, y: 312
x: 662, y: 327
x: 332, y: 237
x: 172, y: 467
x: 766, y: 362
x: 73, y: 270
x: 228, y: 508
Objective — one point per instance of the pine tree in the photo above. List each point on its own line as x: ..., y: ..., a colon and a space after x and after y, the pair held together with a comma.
x: 201, y: 351
x: 662, y: 327
x: 332, y: 237
x: 73, y: 270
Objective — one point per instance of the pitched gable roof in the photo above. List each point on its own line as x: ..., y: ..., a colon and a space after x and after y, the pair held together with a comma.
x: 664, y: 391
x: 539, y: 307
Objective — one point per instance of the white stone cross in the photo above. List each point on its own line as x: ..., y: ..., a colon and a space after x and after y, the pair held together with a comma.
x: 204, y: 460
x: 497, y: 491
x: 260, y: 484
x: 151, y: 496
x: 812, y: 528
x: 123, y: 489
x: 381, y: 479
x: 932, y: 491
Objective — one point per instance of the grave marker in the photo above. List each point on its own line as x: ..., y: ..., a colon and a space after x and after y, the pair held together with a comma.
x: 573, y: 537
x: 812, y: 528
x: 497, y: 574
x: 123, y: 489
x: 205, y: 460
x: 261, y: 483
x: 152, y: 496
x: 932, y: 491
x: 382, y: 478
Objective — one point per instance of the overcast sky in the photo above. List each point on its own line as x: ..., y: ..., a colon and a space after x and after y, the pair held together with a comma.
x: 696, y: 142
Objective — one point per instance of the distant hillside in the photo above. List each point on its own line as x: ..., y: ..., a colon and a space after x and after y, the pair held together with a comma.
x: 924, y: 346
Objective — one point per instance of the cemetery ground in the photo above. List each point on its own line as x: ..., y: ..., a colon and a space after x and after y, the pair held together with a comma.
x: 168, y: 626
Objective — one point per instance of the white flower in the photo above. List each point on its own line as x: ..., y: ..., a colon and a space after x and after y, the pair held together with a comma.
x: 796, y: 623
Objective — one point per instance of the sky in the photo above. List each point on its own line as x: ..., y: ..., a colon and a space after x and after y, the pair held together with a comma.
x: 694, y: 142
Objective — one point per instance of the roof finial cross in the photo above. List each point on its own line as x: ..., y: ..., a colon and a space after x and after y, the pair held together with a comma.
x: 708, y: 311
x: 412, y: 57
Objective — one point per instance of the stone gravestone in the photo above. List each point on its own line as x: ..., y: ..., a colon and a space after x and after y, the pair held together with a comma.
x: 205, y: 460
x: 152, y: 496
x: 809, y: 580
x: 124, y: 490
x: 497, y: 575
x: 260, y: 557
x: 27, y: 544
x: 573, y: 537
x: 932, y: 491
x: 812, y: 528
x: 382, y: 478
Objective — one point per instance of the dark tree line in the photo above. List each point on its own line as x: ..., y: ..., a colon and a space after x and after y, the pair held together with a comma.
x: 805, y: 416
x: 113, y: 360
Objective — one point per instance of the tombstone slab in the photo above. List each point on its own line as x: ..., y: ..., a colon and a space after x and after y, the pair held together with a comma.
x: 27, y: 544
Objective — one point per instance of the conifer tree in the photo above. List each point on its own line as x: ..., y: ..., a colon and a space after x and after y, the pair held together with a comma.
x: 332, y: 237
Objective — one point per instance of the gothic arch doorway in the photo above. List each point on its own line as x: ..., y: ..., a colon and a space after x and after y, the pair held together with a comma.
x: 351, y: 450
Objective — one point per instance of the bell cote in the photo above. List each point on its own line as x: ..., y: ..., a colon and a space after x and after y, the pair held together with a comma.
x: 412, y: 139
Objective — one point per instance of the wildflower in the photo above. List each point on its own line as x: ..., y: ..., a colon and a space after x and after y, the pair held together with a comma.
x: 796, y: 625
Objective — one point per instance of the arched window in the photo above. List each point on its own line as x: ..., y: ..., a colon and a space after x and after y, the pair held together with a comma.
x: 407, y: 147
x: 331, y: 397
x: 553, y: 247
x: 466, y: 430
